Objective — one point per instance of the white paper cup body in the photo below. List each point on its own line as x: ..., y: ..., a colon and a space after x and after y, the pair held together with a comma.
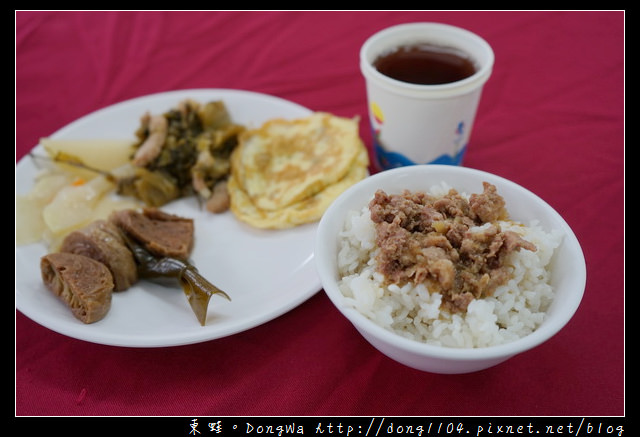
x: 423, y: 124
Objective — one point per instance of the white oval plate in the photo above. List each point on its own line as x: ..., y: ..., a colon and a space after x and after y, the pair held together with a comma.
x: 265, y: 272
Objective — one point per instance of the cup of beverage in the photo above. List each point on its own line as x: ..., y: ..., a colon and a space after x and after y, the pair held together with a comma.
x: 423, y: 83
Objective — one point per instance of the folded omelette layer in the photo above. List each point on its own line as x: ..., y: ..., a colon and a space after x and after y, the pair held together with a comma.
x: 287, y: 172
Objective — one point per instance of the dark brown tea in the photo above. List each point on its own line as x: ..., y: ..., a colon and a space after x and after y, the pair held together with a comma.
x: 425, y: 64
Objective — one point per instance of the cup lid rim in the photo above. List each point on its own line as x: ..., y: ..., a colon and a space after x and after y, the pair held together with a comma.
x: 444, y: 90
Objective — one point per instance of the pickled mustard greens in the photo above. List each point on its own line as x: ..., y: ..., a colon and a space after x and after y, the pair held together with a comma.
x: 183, y: 151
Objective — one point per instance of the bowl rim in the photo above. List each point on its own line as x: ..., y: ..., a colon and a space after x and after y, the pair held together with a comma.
x: 549, y: 327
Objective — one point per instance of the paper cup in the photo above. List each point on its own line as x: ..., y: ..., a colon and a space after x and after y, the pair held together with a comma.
x: 423, y: 124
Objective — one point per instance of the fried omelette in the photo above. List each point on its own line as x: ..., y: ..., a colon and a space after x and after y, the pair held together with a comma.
x: 287, y: 172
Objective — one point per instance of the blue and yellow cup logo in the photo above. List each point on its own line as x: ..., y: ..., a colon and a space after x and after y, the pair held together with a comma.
x: 388, y: 159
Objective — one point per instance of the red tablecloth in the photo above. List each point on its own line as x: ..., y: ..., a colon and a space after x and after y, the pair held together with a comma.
x: 551, y: 119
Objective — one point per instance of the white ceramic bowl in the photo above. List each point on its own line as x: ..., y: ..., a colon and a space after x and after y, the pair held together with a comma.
x: 568, y: 270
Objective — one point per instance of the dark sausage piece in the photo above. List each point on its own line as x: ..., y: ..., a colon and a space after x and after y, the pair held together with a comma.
x: 84, y: 284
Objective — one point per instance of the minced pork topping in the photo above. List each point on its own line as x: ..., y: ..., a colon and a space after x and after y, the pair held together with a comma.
x: 452, y: 243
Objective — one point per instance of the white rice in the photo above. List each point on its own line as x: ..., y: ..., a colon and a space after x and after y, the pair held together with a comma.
x: 515, y: 309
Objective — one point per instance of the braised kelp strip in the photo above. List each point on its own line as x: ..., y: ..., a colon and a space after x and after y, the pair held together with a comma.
x: 161, y: 243
x: 197, y: 289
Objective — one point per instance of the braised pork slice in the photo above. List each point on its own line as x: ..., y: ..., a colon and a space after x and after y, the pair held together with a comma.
x: 102, y: 241
x: 83, y: 283
x: 160, y: 233
x: 453, y: 244
x: 156, y: 128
